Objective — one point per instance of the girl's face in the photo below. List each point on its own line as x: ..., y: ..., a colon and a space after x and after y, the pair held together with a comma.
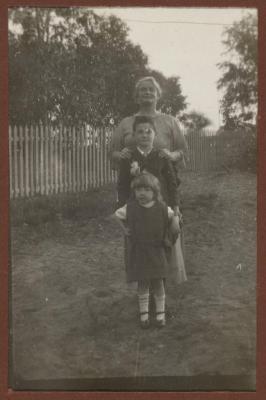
x: 147, y: 93
x: 144, y: 135
x: 144, y: 195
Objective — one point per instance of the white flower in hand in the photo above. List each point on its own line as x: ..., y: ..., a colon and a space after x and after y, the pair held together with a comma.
x: 135, y: 168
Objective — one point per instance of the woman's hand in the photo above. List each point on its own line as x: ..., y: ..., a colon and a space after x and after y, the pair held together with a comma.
x: 123, y: 154
x: 177, y: 213
x: 175, y: 227
x: 171, y: 155
x: 126, y: 231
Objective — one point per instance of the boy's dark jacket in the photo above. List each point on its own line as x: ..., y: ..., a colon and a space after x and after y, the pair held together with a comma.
x: 160, y: 167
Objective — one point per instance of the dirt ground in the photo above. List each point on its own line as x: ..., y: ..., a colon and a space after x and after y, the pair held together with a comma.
x: 73, y: 315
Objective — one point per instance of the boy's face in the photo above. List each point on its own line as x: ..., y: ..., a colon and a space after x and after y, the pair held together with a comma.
x: 144, y: 195
x: 144, y: 135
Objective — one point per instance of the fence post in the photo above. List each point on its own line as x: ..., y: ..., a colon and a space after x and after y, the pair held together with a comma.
x: 26, y: 161
x: 46, y: 146
x: 31, y: 160
x: 70, y: 159
x: 86, y: 156
x: 100, y: 165
x: 82, y: 159
x: 94, y: 158
x: 37, y: 159
x: 66, y: 164
x: 15, y: 143
x: 56, y: 160
x: 60, y: 166
x: 98, y: 156
x: 10, y: 147
x: 51, y: 159
x: 108, y: 150
x: 21, y: 163
x: 74, y: 176
x: 90, y: 158
x: 76, y: 136
x: 105, y: 155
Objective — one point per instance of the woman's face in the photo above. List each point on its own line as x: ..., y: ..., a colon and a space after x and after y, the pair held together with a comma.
x: 147, y: 93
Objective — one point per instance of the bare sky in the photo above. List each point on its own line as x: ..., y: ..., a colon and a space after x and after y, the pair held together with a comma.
x: 185, y: 42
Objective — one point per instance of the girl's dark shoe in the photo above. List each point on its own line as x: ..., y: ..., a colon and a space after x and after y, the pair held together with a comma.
x: 160, y: 323
x: 145, y: 324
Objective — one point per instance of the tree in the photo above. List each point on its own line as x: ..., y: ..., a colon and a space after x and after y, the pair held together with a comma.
x: 239, y: 79
x: 195, y: 121
x: 172, y: 100
x: 70, y: 65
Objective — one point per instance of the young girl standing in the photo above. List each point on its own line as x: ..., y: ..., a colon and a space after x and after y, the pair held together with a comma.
x: 145, y: 218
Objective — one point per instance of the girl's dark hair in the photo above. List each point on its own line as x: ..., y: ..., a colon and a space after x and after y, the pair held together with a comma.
x: 142, y: 119
x: 145, y: 179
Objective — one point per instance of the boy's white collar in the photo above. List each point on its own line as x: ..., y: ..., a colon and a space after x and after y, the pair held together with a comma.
x: 144, y: 153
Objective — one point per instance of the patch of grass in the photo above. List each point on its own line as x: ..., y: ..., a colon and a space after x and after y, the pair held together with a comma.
x: 40, y: 210
x: 200, y: 200
x: 91, y: 313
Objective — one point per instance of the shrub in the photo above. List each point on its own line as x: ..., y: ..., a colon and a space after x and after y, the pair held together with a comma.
x: 240, y: 149
x: 79, y: 206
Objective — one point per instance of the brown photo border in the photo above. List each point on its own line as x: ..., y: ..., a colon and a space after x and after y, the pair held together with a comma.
x: 5, y: 391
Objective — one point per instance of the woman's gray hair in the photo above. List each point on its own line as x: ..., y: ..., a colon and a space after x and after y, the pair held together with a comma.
x: 154, y: 82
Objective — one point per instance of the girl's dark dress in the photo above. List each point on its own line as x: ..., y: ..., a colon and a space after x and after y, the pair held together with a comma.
x: 147, y: 252
x: 160, y: 167
x: 146, y: 255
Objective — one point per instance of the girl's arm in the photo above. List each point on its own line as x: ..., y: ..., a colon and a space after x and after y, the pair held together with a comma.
x: 120, y: 217
x: 122, y: 225
x: 174, y: 223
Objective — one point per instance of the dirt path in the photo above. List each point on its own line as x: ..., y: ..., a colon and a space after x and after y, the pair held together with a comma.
x: 74, y: 317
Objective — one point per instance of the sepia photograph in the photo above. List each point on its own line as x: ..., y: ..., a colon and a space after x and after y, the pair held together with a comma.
x: 132, y: 198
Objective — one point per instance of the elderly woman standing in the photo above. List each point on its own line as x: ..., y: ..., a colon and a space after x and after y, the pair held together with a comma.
x: 169, y: 139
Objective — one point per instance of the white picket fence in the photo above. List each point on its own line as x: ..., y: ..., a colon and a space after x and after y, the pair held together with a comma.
x: 45, y: 161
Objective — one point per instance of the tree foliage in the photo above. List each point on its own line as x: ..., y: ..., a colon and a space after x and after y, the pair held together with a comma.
x: 71, y: 65
x: 239, y: 78
x: 240, y: 147
x: 195, y: 121
x: 172, y: 100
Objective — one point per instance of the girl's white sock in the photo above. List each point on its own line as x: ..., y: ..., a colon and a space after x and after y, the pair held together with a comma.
x: 160, y: 307
x: 144, y: 306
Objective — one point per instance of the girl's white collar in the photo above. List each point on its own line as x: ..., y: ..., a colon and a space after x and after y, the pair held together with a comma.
x: 148, y: 205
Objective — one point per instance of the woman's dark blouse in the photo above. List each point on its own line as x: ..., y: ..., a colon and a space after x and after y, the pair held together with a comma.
x: 160, y: 167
